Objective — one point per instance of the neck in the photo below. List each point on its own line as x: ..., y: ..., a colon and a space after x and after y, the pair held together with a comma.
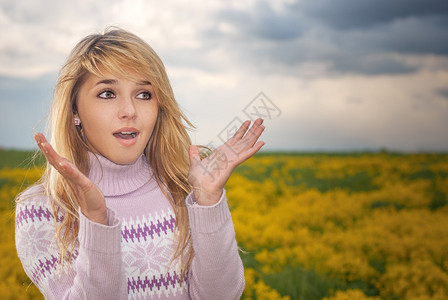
x: 115, y: 180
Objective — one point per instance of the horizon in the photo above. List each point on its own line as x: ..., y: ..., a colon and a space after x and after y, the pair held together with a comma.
x: 351, y: 76
x: 303, y: 151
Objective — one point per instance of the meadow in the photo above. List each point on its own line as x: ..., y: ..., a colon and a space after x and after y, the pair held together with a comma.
x: 310, y: 226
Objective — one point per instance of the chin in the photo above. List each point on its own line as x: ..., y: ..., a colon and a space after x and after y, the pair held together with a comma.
x: 119, y: 154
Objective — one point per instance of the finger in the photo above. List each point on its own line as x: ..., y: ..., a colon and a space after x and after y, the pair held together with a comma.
x: 39, y: 137
x: 253, y: 134
x: 193, y: 153
x: 195, y: 159
x: 250, y: 152
x: 62, y: 165
x: 257, y: 124
x: 43, y: 146
x: 50, y: 154
x: 239, y: 133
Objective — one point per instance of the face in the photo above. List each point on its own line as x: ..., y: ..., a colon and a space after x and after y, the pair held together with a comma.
x: 117, y: 116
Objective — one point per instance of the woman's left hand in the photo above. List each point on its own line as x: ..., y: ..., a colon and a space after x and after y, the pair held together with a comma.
x: 208, y: 176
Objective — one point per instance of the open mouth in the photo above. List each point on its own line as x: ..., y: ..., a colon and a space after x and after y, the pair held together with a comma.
x: 127, y: 135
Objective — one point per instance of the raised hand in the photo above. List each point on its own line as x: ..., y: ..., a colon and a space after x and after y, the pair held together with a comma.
x: 209, y: 176
x: 89, y: 197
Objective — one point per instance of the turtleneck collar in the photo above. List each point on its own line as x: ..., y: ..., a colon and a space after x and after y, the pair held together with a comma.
x: 117, y: 180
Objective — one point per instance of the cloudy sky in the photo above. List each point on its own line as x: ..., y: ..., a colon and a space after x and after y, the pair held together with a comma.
x: 330, y: 75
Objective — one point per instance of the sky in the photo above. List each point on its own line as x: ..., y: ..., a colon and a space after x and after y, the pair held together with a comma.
x: 326, y: 75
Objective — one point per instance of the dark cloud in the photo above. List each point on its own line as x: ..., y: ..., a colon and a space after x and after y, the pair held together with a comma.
x: 444, y: 93
x: 354, y: 36
x: 274, y: 25
x: 425, y: 35
x: 262, y: 21
x: 370, y: 65
x: 356, y: 14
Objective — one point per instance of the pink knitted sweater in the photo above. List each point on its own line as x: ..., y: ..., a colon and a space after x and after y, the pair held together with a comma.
x: 130, y: 258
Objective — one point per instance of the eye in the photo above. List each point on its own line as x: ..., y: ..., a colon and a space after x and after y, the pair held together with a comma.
x: 106, y: 95
x: 144, y: 96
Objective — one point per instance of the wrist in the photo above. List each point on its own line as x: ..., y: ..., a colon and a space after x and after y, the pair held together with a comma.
x: 99, y: 217
x: 207, y: 198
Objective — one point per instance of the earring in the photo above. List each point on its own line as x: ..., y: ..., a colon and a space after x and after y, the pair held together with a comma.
x: 77, y: 122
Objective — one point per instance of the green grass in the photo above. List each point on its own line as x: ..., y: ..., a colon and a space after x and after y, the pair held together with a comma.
x: 301, y: 284
x: 19, y: 159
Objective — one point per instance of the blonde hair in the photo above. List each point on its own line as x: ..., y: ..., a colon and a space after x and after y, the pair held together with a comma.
x: 121, y: 53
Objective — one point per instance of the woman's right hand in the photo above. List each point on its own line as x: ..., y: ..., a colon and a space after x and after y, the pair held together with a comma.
x: 89, y: 197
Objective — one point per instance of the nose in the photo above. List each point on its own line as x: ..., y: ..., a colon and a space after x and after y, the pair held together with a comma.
x: 127, y: 109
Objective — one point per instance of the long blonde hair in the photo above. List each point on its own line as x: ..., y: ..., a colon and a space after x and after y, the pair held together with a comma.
x: 121, y: 53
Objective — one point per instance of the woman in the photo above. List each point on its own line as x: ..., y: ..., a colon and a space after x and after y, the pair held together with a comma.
x: 126, y: 208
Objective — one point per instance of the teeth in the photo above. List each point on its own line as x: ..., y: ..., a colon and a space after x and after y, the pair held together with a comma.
x: 133, y: 134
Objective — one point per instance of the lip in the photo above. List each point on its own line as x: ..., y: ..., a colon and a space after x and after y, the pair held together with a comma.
x: 127, y: 142
x: 127, y: 129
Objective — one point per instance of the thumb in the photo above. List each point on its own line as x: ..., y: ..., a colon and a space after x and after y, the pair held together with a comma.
x: 193, y: 152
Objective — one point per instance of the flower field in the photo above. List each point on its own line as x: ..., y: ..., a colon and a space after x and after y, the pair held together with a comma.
x: 313, y: 226
x: 363, y: 226
x: 14, y: 284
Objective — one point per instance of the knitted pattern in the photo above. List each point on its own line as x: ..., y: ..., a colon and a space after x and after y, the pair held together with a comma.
x: 131, y: 258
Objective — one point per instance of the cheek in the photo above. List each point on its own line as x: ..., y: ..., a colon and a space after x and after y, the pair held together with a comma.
x: 151, y: 121
x: 149, y: 115
x: 94, y: 124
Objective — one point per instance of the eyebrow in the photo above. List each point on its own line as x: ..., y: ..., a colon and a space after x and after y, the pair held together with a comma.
x: 107, y: 81
x: 144, y: 83
x: 113, y: 81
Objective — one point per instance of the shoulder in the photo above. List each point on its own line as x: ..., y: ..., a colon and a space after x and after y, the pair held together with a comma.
x: 33, y: 193
x: 33, y: 217
x: 34, y: 234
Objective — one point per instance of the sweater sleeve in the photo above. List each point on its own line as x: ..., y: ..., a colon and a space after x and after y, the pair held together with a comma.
x: 216, y: 271
x: 95, y: 269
